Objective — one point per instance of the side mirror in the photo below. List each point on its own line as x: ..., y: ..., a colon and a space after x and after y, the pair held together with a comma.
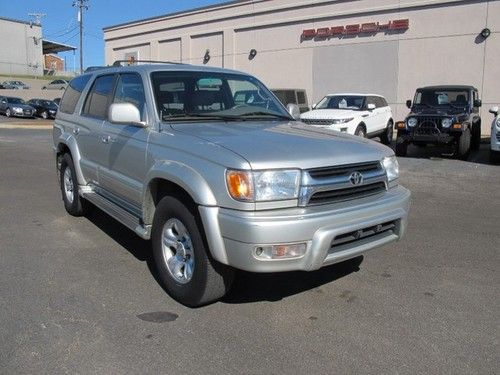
x: 408, y: 103
x: 370, y: 106
x: 494, y: 110
x: 477, y: 103
x: 126, y: 114
x: 294, y: 110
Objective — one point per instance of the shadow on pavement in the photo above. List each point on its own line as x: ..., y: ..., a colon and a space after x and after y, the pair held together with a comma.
x: 247, y: 286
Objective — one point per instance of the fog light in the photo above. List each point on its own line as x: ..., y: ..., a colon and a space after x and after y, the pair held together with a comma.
x: 284, y: 251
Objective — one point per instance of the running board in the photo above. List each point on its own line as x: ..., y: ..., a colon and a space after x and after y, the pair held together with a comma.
x: 123, y: 216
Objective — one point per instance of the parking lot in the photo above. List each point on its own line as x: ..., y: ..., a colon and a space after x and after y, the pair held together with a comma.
x: 80, y: 295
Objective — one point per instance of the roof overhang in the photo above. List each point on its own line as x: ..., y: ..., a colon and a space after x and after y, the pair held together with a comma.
x: 54, y: 47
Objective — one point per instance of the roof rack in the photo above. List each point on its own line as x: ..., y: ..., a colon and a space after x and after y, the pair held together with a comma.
x: 133, y: 62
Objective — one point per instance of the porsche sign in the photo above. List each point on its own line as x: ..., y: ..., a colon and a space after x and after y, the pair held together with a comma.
x: 358, y: 28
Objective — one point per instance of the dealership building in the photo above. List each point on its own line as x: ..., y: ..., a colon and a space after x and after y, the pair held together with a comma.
x: 387, y: 47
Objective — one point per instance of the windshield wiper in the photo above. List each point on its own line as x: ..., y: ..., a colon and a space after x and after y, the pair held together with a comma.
x: 264, y: 113
x: 190, y: 116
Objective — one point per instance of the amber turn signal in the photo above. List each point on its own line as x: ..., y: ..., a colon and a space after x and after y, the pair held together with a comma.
x: 457, y: 126
x: 400, y: 125
x: 239, y: 185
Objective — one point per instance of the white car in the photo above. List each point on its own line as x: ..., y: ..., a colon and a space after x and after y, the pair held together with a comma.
x: 495, y: 137
x: 366, y: 115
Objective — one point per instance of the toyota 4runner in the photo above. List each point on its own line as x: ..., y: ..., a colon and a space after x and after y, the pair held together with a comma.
x: 442, y: 115
x: 218, y: 185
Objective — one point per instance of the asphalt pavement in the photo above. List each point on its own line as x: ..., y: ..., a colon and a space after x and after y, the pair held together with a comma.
x: 80, y: 295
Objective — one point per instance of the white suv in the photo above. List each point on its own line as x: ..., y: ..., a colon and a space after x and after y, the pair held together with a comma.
x: 495, y: 136
x: 365, y: 115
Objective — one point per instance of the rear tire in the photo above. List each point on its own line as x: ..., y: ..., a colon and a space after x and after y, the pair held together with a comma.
x: 360, y: 131
x: 388, y: 134
x: 463, y: 145
x: 73, y: 203
x: 185, y: 267
x: 401, y: 147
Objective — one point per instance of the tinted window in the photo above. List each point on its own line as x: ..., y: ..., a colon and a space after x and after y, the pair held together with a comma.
x: 72, y: 93
x: 341, y: 102
x: 442, y: 98
x: 96, y: 104
x: 130, y: 89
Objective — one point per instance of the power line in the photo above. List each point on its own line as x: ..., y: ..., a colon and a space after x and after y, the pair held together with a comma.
x: 37, y: 17
x: 81, y: 5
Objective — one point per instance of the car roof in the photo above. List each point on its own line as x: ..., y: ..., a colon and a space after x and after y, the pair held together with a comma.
x: 353, y: 94
x: 448, y: 87
x: 150, y: 68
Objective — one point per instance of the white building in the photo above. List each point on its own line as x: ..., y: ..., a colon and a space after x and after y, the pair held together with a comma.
x: 386, y: 46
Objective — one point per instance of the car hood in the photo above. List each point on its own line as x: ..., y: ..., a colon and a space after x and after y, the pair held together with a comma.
x: 436, y: 111
x: 330, y: 114
x: 283, y: 144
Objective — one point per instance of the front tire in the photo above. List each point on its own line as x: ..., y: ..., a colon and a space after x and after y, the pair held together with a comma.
x: 401, y: 147
x: 73, y: 203
x: 8, y: 113
x: 360, y: 131
x: 388, y: 134
x: 188, y: 272
x: 45, y: 115
x: 463, y: 145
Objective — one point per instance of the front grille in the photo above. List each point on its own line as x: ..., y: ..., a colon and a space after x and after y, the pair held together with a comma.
x: 428, y: 125
x: 329, y: 172
x: 317, y: 122
x: 341, y: 195
x: 350, y: 239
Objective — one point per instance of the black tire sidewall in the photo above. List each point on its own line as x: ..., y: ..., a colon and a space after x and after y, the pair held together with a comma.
x: 360, y: 130
x: 192, y: 292
x: 76, y: 207
x: 388, y: 134
x: 464, y: 145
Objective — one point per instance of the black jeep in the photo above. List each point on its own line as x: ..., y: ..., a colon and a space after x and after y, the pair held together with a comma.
x: 442, y: 115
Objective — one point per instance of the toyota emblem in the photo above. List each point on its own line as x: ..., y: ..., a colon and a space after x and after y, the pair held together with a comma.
x: 356, y: 178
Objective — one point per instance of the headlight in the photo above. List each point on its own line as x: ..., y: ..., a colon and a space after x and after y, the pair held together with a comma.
x: 446, y: 122
x: 411, y: 122
x: 259, y: 186
x: 17, y: 109
x: 342, y: 120
x: 391, y: 167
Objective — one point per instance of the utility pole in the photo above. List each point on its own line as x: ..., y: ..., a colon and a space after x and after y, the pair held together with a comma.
x: 81, y: 5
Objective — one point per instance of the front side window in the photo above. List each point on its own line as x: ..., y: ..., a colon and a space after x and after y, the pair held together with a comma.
x: 348, y: 102
x: 96, y: 104
x: 129, y: 89
x: 194, y: 95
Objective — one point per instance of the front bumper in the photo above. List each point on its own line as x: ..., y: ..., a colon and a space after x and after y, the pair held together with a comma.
x: 233, y: 236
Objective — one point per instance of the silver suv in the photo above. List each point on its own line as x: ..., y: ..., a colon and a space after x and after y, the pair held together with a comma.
x: 219, y: 185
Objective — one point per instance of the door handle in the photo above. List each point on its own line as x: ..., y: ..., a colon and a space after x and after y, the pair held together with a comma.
x: 105, y: 138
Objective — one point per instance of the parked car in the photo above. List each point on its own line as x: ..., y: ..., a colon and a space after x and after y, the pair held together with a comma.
x: 15, y: 85
x: 495, y: 136
x: 57, y: 101
x: 44, y: 108
x: 447, y: 116
x: 365, y: 115
x: 58, y: 84
x: 293, y: 96
x: 219, y: 185
x: 10, y: 106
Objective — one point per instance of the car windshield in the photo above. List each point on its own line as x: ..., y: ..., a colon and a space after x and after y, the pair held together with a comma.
x: 442, y: 98
x: 348, y: 102
x: 15, y: 100
x: 194, y: 96
x: 47, y: 103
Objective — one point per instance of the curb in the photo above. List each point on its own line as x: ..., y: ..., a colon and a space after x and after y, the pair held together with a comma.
x: 24, y: 126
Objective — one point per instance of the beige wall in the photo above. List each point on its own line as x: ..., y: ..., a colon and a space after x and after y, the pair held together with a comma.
x: 441, y: 45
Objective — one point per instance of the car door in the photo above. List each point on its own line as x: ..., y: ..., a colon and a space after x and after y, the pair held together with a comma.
x: 123, y: 172
x: 371, y: 117
x: 89, y: 128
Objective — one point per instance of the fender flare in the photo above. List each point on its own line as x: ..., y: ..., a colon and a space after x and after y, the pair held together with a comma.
x: 69, y: 141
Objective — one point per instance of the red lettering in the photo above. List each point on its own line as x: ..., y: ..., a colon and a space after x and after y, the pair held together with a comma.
x: 370, y: 27
x: 323, y: 32
x: 384, y: 26
x: 400, y: 24
x: 308, y: 33
x: 352, y: 29
x: 337, y: 30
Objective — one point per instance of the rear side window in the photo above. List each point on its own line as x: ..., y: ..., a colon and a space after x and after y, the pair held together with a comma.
x: 72, y: 93
x: 97, y: 102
